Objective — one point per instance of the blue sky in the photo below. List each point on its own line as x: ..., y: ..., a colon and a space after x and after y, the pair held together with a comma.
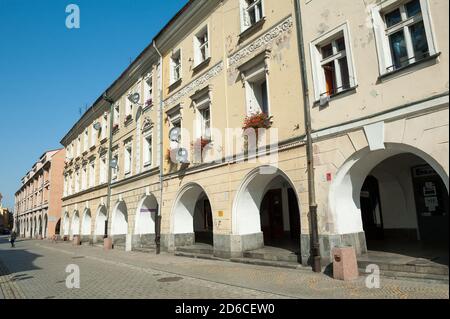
x: 49, y: 72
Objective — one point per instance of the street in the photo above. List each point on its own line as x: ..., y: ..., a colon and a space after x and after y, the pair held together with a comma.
x: 37, y: 270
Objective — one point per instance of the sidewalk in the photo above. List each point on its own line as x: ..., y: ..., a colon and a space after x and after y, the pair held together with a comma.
x: 287, y: 283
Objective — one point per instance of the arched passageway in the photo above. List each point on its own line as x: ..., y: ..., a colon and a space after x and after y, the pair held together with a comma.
x: 100, y: 220
x: 66, y: 224
x: 266, y: 208
x: 45, y: 226
x: 76, y: 224
x: 399, y: 198
x: 192, y: 217
x: 86, y: 224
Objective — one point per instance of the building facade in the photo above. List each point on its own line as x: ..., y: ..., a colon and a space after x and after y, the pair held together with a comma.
x: 38, y: 201
x: 379, y: 85
x: 185, y: 147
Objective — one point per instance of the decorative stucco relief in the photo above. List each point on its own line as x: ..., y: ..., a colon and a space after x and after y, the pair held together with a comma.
x: 194, y: 85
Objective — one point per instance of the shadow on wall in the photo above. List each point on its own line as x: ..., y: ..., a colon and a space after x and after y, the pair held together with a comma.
x: 21, y: 260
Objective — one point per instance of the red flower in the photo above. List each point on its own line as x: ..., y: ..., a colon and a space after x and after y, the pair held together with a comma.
x: 257, y: 120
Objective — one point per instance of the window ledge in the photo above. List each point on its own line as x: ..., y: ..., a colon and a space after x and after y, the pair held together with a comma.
x: 201, y: 65
x: 92, y: 147
x: 103, y: 141
x: 175, y: 84
x: 399, y: 70
x: 339, y: 94
x: 252, y: 29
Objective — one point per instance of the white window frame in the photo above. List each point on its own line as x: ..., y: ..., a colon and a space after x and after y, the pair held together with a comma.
x: 254, y: 72
x: 94, y: 135
x: 104, y: 127
x: 174, y: 66
x: 382, y: 37
x: 148, y: 90
x: 115, y: 170
x: 103, y: 170
x: 92, y: 174
x: 78, y: 146
x: 128, y: 158
x: 84, y: 177
x: 86, y: 140
x: 316, y: 59
x: 116, y: 114
x: 148, y: 149
x: 201, y: 104
x: 198, y: 58
x: 175, y: 117
x: 244, y: 13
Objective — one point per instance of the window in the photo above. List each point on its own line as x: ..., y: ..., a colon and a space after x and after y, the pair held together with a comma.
x: 77, y: 181
x: 175, y: 121
x: 94, y: 135
x: 66, y: 184
x: 148, y: 149
x: 115, y: 170
x: 104, y: 131
x: 78, y: 146
x: 127, y: 158
x: 403, y: 33
x: 86, y: 140
x: 203, y: 105
x: 333, y: 69
x: 116, y: 114
x: 103, y: 170
x: 92, y: 174
x: 175, y: 67
x: 148, y: 92
x: 257, y: 89
x: 201, y: 46
x: 84, y: 176
x: 252, y: 11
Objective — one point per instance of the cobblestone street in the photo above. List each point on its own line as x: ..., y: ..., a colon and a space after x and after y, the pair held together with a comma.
x: 37, y: 269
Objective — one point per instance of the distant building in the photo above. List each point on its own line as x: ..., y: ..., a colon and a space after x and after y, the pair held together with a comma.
x: 38, y: 201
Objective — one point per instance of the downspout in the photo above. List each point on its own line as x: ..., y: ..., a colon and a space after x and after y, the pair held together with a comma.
x: 111, y: 123
x: 315, y: 246
x: 161, y: 162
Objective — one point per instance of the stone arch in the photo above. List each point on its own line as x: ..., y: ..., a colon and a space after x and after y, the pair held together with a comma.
x: 45, y: 228
x: 119, y: 224
x: 145, y: 215
x: 75, y: 229
x: 345, y: 191
x: 100, y: 219
x: 86, y: 223
x: 66, y: 224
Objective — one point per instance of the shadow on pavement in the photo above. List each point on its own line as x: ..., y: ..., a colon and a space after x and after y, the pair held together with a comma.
x: 16, y: 260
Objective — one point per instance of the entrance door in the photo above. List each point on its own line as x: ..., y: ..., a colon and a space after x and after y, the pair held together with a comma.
x: 272, y: 216
x: 294, y: 216
x: 371, y: 209
x: 432, y: 204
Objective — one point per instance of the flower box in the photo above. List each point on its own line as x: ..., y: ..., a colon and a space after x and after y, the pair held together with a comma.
x: 257, y: 120
x: 148, y: 103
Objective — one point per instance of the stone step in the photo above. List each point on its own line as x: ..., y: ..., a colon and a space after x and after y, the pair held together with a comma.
x: 196, y: 255
x: 409, y: 275
x: 271, y: 257
x: 270, y: 263
x: 196, y: 250
x: 147, y: 249
x: 414, y: 268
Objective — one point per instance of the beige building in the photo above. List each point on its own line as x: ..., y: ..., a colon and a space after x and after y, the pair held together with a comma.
x: 378, y: 87
x: 38, y: 201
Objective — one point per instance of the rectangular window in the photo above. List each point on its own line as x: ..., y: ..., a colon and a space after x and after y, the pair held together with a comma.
x: 116, y: 115
x: 94, y: 134
x: 84, y: 177
x: 115, y: 170
x: 257, y: 90
x: 403, y: 32
x: 175, y: 121
x: 201, y: 46
x: 92, y: 174
x: 86, y: 140
x: 252, y: 11
x: 148, y: 93
x: 127, y: 159
x: 78, y: 146
x: 175, y: 63
x: 148, y: 150
x: 103, y: 170
x: 77, y: 181
x: 333, y: 69
x: 104, y: 130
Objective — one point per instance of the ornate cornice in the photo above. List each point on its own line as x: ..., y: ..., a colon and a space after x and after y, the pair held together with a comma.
x: 195, y: 84
x: 267, y: 38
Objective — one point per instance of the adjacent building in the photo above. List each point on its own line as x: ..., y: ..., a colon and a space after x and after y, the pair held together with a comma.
x: 178, y: 126
x: 38, y: 201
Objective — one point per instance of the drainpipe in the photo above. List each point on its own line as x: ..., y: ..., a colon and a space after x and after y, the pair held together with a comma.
x: 315, y: 246
x: 161, y: 162
x: 111, y: 123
